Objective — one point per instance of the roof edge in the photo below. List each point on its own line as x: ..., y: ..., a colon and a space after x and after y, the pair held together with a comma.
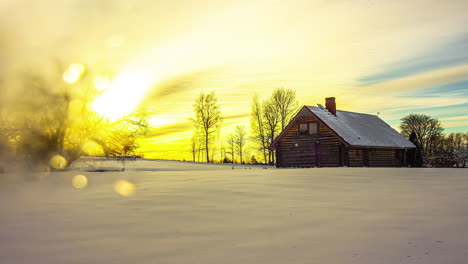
x: 281, y: 135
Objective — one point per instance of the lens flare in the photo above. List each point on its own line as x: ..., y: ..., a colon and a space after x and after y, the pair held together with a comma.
x: 124, y: 188
x: 73, y: 72
x: 101, y: 83
x: 79, y: 181
x: 161, y: 121
x: 58, y: 162
x: 123, y: 95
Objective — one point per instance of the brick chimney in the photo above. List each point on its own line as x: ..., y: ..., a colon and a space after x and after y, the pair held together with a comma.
x: 330, y: 105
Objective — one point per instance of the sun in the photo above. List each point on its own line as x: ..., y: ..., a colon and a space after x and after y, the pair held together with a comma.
x: 122, y: 96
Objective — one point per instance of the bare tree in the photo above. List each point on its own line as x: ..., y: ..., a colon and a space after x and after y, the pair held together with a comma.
x: 452, y: 150
x: 272, y: 123
x: 462, y: 154
x: 270, y: 118
x: 231, y: 142
x: 122, y: 139
x: 194, y: 146
x: 207, y: 118
x: 285, y: 102
x: 240, y: 139
x: 428, y: 131
x: 223, y: 155
x: 257, y: 127
x: 52, y: 115
x: 43, y: 116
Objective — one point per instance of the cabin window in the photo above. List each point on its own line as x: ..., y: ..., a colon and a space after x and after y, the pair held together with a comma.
x: 308, y: 128
x: 313, y: 128
x: 303, y: 129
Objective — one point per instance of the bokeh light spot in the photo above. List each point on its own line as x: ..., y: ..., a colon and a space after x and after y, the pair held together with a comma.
x: 124, y: 188
x: 58, y: 162
x: 79, y: 181
x: 73, y: 72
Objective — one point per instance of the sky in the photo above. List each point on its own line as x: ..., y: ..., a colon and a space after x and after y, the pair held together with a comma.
x: 388, y: 57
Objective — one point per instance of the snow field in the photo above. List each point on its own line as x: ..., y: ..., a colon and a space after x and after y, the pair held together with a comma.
x: 220, y: 215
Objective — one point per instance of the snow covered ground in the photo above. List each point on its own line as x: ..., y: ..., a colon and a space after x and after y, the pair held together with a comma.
x: 189, y: 213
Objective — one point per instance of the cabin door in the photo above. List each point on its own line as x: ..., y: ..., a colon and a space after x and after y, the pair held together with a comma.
x: 309, y: 154
x: 317, y: 154
x: 365, y: 158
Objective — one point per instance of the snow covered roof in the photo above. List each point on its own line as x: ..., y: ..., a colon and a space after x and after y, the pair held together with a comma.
x: 358, y: 129
x: 361, y: 129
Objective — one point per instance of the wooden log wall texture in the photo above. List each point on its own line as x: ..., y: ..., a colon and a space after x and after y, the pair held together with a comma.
x: 323, y: 150
x: 296, y: 150
x: 383, y: 158
x: 372, y: 157
x: 355, y: 157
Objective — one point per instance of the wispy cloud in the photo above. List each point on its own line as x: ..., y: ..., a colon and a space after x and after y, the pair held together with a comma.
x: 419, y: 81
x: 179, y: 84
x: 165, y: 130
x: 446, y: 55
x: 393, y: 57
x: 456, y: 121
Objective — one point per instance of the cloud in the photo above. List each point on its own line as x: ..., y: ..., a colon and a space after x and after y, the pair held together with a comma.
x: 455, y: 121
x: 169, y: 129
x: 392, y: 57
x: 455, y: 118
x: 180, y: 127
x: 419, y: 81
x: 179, y: 84
x: 449, y: 54
x: 243, y: 115
x: 455, y: 89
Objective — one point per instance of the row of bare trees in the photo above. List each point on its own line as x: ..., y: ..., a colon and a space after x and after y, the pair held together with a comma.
x: 433, y: 147
x: 268, y: 119
x: 237, y: 145
x: 207, y: 123
x: 270, y: 116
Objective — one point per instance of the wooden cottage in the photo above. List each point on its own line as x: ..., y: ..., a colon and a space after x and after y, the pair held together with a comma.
x: 326, y: 137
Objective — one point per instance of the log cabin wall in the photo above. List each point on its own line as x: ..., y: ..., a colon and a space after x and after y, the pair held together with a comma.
x: 384, y: 158
x: 297, y: 150
x: 325, y: 149
x: 355, y: 157
x: 372, y: 157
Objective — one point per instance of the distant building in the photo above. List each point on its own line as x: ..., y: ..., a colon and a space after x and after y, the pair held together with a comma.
x: 326, y: 137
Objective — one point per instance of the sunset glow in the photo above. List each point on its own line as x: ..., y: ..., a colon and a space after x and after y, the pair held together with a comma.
x: 122, y: 95
x: 234, y: 131
x: 73, y: 72
x: 101, y: 83
x: 394, y: 58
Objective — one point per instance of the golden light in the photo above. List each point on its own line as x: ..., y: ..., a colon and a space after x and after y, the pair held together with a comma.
x: 116, y: 41
x: 79, y: 181
x: 58, y: 162
x: 73, y: 72
x: 101, y: 83
x: 75, y: 108
x: 124, y: 188
x: 123, y: 95
x: 161, y: 121
x: 92, y: 148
